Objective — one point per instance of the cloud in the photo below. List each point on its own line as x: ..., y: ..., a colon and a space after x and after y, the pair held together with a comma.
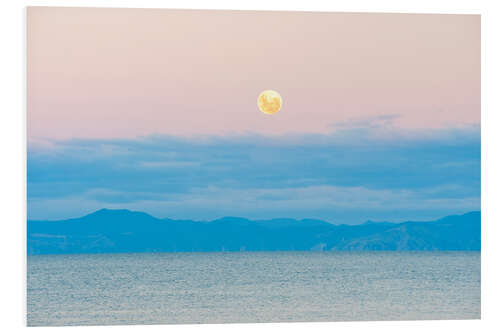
x: 335, y: 204
x: 259, y: 176
x: 384, y: 121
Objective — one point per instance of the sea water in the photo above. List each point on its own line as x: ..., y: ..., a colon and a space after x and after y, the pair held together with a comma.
x: 250, y: 287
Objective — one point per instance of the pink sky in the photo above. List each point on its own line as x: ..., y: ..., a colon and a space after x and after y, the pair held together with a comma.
x: 102, y: 73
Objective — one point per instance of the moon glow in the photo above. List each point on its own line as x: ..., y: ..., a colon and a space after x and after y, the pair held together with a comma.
x: 269, y: 102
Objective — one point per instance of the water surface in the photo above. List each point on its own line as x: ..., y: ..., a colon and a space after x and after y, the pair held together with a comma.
x: 242, y: 287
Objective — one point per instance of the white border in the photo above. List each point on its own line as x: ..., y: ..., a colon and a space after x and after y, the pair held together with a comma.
x: 13, y: 162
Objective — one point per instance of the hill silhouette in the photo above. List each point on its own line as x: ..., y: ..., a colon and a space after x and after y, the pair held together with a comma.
x: 114, y: 231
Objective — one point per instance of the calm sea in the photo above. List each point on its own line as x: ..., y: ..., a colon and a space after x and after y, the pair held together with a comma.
x: 176, y: 288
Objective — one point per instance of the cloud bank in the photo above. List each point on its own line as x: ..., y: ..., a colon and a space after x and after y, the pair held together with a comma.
x: 348, y: 176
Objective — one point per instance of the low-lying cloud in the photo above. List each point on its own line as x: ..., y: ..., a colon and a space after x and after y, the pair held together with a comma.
x: 341, y: 177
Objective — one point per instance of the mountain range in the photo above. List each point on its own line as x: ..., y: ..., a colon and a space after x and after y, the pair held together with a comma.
x: 115, y: 231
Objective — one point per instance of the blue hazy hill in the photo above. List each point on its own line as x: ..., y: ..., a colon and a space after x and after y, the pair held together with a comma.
x: 111, y: 231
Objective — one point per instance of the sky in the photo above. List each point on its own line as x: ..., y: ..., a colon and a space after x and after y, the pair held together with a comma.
x: 156, y: 110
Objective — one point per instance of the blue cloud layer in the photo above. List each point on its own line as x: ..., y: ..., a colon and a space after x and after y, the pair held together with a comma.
x: 348, y: 177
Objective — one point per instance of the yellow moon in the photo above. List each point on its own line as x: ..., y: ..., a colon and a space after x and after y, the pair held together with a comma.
x: 269, y: 101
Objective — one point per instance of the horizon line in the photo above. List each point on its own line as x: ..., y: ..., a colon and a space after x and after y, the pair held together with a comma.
x: 240, y: 217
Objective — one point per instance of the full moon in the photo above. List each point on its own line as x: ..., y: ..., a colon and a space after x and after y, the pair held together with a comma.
x: 269, y: 101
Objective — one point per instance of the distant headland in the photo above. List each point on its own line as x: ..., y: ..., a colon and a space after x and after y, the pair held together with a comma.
x: 119, y: 231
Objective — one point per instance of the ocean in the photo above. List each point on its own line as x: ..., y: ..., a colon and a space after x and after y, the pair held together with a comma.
x: 251, y: 287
